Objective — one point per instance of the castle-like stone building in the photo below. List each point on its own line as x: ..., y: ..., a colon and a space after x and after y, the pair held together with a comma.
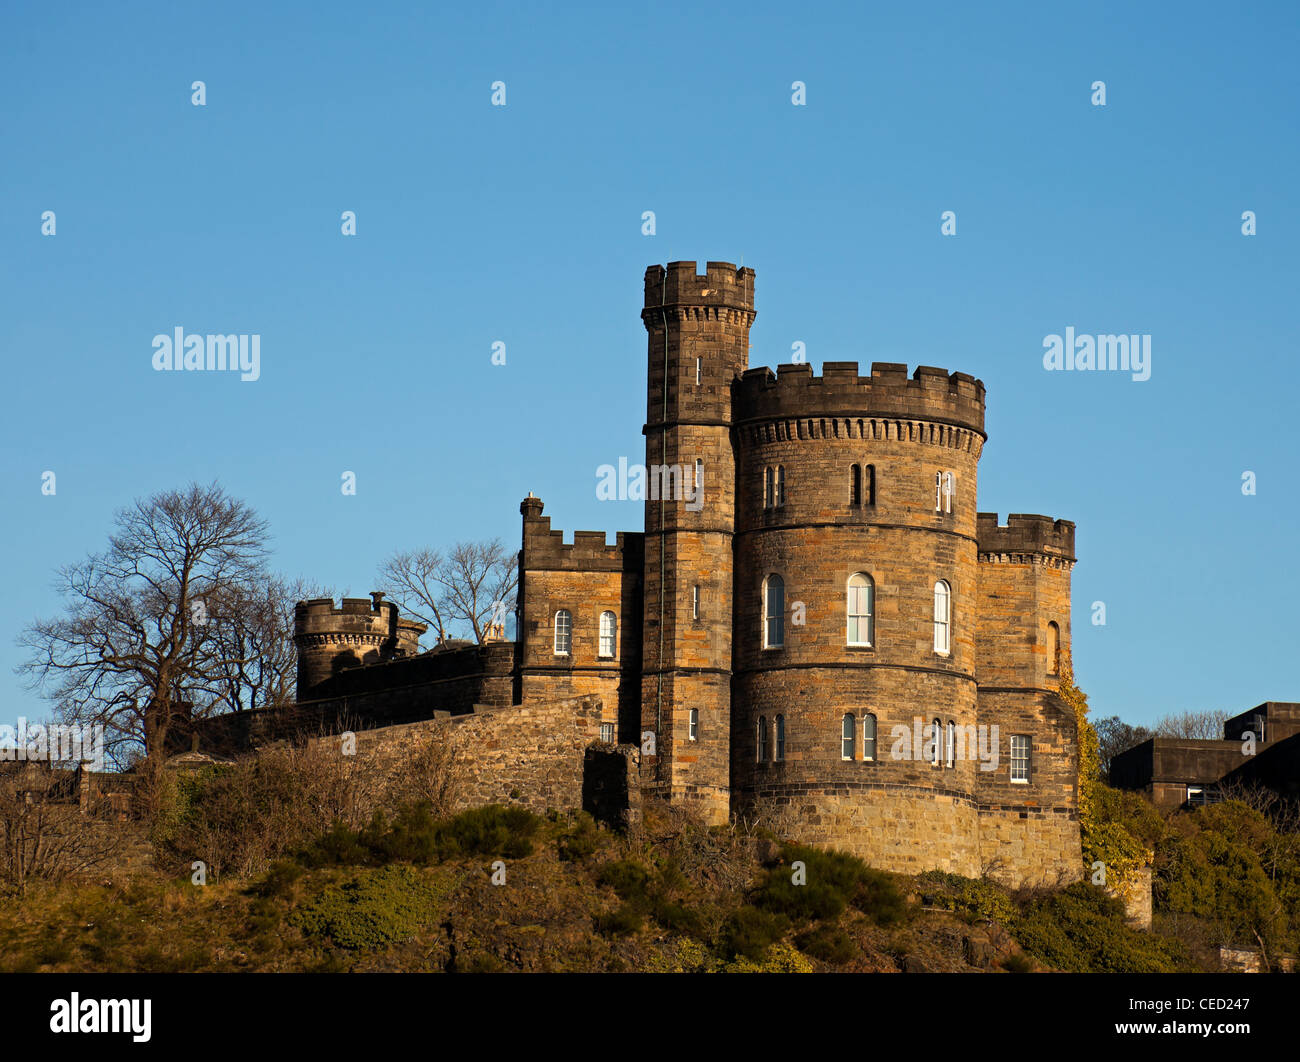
x: 816, y: 622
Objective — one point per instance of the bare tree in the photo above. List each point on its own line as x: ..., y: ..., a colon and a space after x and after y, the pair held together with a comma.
x: 248, y: 639
x: 481, y: 584
x: 130, y: 648
x: 414, y: 580
x: 462, y: 592
x: 1200, y: 726
x: 1115, y: 736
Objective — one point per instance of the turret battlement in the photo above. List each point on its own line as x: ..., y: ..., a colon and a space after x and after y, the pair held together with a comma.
x: 546, y: 549
x: 930, y: 394
x: 319, y: 615
x: 678, y: 285
x: 1025, y: 533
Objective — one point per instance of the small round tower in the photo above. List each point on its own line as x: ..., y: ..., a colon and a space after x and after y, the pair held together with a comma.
x: 330, y: 639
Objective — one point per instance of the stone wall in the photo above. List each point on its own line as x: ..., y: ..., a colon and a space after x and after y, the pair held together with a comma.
x: 531, y: 755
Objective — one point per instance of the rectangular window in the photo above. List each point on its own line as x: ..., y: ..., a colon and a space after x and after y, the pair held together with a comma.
x: 699, y: 364
x: 607, y: 732
x: 694, y: 727
x: 1020, y: 759
x: 695, y: 601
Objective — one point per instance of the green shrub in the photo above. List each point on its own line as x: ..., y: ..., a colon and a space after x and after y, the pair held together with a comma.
x: 626, y: 877
x: 1082, y: 930
x: 415, y: 836
x: 750, y: 931
x: 828, y: 943
x: 969, y: 898
x: 580, y: 841
x: 278, y: 881
x: 679, y: 919
x: 832, y: 881
x: 621, y: 922
x: 371, y: 910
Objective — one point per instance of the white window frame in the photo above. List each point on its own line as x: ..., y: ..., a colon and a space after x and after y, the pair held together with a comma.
x: 608, y: 733
x: 848, y: 737
x: 769, y: 490
x: 936, y: 748
x: 610, y: 638
x: 853, y: 597
x: 567, y: 631
x: 699, y: 364
x: 780, y: 486
x: 760, y: 740
x: 868, y: 743
x: 943, y: 617
x: 773, y: 620
x: 950, y: 746
x: 695, y: 601
x: 693, y: 724
x: 778, y: 740
x: 1020, y: 741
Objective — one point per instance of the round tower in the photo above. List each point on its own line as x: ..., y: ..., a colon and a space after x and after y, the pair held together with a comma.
x: 698, y: 344
x: 329, y: 639
x: 856, y: 608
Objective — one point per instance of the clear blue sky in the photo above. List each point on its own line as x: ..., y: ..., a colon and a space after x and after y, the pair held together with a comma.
x: 523, y: 224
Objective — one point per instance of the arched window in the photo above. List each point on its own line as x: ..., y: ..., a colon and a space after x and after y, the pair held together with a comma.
x: 780, y: 485
x: 869, y: 483
x: 942, y: 617
x: 769, y: 492
x: 1053, y: 649
x: 868, y: 737
x: 861, y: 610
x: 936, y: 735
x: 693, y: 724
x: 855, y: 485
x: 773, y: 612
x: 780, y: 738
x: 950, y: 756
x: 563, y: 632
x: 608, y: 634
x: 847, y: 737
x: 761, y: 738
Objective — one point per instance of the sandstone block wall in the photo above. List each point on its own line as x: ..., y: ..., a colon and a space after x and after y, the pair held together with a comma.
x: 528, y: 755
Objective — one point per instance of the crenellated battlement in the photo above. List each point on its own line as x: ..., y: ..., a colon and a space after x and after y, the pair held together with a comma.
x: 1024, y: 534
x: 354, y: 614
x: 722, y: 290
x: 930, y: 394
x: 545, y: 549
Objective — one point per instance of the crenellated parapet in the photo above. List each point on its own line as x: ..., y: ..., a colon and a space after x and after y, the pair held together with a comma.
x: 359, y: 631
x: 1025, y: 539
x: 721, y: 293
x: 544, y: 549
x: 932, y: 405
